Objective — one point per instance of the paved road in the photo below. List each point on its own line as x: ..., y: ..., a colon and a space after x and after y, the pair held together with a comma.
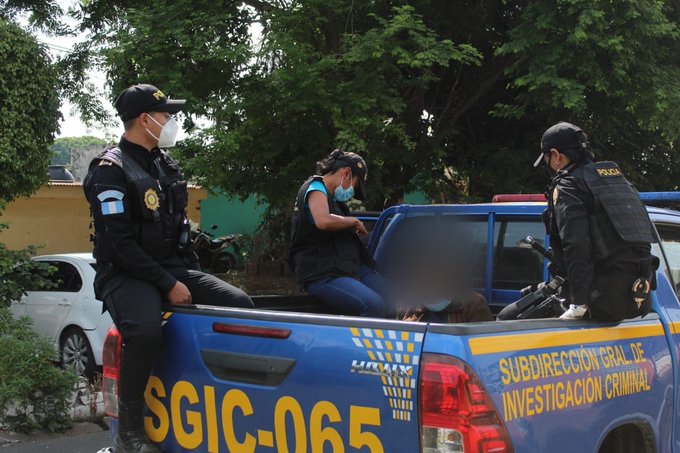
x: 77, y: 441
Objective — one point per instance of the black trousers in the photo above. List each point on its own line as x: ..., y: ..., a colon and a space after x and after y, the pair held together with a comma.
x: 135, y: 306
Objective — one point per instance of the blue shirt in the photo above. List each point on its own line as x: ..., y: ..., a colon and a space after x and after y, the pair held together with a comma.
x: 314, y: 186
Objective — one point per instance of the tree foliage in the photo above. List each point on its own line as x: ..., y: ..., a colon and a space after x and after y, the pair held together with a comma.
x: 612, y: 66
x: 446, y: 96
x: 29, y: 112
x: 45, y: 14
x: 63, y: 147
x: 33, y: 392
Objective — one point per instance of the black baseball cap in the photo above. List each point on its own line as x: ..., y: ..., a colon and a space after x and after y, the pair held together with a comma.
x: 563, y: 137
x: 359, y: 168
x: 143, y: 98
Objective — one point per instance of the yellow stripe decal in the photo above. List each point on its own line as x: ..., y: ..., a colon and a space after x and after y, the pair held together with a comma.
x: 524, y: 342
x: 675, y: 327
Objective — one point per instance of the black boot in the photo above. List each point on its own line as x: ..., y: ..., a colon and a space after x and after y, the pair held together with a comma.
x: 131, y: 437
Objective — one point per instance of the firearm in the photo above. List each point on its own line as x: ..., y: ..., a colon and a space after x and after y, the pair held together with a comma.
x: 542, y: 297
x: 556, y: 266
x: 538, y: 247
x: 540, y: 300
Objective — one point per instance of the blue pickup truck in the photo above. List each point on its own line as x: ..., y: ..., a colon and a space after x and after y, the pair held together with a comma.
x: 289, y: 376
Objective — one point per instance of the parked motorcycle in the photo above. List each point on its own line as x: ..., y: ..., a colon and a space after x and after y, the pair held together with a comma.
x: 217, y: 254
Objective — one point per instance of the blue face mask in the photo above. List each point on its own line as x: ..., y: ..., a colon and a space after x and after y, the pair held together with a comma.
x: 438, y: 306
x: 341, y: 194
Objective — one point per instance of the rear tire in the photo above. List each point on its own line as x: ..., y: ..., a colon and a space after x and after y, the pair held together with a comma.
x: 76, y: 353
x: 625, y: 439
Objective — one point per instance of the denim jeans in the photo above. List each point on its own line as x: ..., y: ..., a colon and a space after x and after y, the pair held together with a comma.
x: 369, y: 295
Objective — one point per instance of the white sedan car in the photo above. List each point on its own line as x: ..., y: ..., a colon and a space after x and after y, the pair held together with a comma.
x: 69, y: 314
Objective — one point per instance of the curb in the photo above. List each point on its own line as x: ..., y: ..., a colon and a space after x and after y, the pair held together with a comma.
x: 86, y: 408
x: 87, y: 404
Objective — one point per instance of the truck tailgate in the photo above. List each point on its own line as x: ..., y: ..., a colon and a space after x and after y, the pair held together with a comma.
x: 246, y: 381
x: 563, y: 386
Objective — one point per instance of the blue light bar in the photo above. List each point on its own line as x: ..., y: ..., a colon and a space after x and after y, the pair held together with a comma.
x: 659, y: 197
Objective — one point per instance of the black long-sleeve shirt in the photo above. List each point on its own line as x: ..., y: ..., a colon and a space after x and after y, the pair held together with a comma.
x: 570, y: 232
x: 572, y: 206
x: 119, y: 252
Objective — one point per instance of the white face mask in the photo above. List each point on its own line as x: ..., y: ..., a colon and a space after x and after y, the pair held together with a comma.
x: 168, y: 135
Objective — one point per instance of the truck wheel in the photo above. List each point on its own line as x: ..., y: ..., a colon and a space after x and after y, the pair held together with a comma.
x: 625, y: 439
x: 76, y: 352
x: 224, y: 263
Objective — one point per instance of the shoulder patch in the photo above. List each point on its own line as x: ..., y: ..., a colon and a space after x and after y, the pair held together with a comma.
x: 555, y: 195
x: 103, y: 163
x: 111, y: 202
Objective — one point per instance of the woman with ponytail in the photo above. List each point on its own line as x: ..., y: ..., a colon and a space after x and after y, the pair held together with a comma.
x: 327, y: 256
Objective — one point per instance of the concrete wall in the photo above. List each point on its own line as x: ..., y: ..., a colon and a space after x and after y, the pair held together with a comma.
x: 58, y: 217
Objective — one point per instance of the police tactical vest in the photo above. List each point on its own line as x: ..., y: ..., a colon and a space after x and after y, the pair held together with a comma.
x: 617, y: 204
x: 617, y: 217
x: 314, y: 253
x: 158, y: 206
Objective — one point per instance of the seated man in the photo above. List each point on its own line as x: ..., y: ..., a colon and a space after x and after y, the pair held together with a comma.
x: 470, y: 307
x: 138, y: 200
x: 439, y: 291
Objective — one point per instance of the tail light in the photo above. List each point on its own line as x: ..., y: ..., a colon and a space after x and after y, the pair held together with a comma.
x: 111, y: 365
x: 456, y: 413
x: 518, y: 197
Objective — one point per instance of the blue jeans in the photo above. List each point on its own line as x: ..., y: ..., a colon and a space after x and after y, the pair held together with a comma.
x: 370, y: 295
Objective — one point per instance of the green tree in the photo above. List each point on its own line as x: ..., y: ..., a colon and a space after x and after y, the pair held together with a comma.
x: 446, y: 96
x: 44, y: 14
x: 29, y: 112
x: 613, y: 68
x: 63, y: 147
x: 36, y: 390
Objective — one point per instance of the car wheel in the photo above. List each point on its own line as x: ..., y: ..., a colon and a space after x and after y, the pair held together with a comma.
x: 224, y: 263
x: 76, y: 352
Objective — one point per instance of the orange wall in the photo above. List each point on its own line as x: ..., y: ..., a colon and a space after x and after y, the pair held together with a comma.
x: 58, y: 217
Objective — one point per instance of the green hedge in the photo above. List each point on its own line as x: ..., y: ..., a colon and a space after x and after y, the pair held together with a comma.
x: 34, y: 392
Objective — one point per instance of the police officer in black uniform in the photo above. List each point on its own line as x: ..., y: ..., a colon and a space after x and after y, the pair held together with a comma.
x: 138, y: 199
x: 599, y: 230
